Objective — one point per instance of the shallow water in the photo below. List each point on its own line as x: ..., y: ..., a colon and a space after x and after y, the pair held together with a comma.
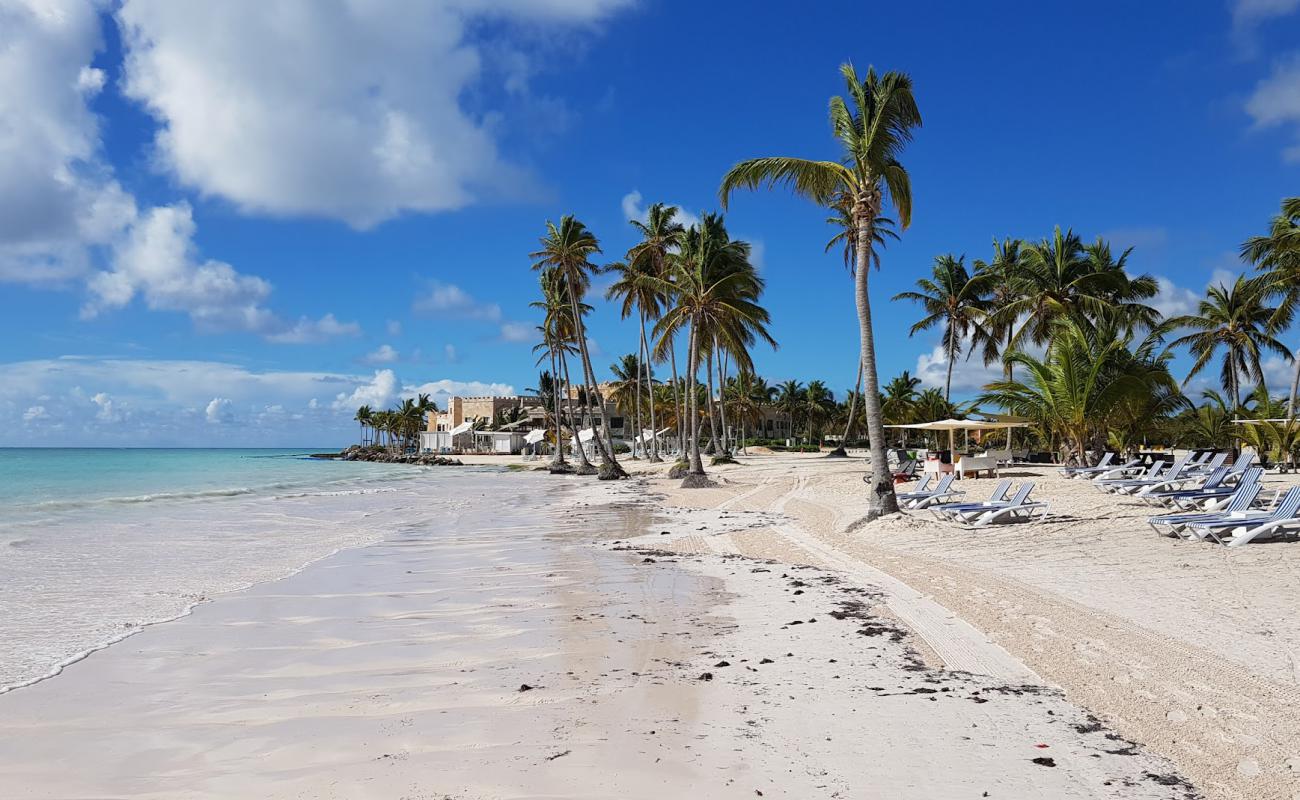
x: 96, y: 544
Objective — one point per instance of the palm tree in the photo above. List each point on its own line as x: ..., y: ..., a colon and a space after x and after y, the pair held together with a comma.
x: 1277, y: 255
x: 639, y: 297
x: 1076, y: 389
x: 1000, y: 284
x: 714, y: 290
x: 872, y: 128
x: 661, y: 235
x: 1236, y: 321
x: 951, y: 300
x: 899, y: 399
x: 790, y: 401
x: 818, y: 405
x: 558, y: 343
x: 363, y: 417
x: 568, y: 248
x: 1061, y: 278
x: 626, y: 390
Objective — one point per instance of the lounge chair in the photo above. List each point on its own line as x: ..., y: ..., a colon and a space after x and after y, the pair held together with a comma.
x: 921, y: 487
x: 940, y: 492
x: 1240, y: 501
x: 1018, y: 508
x: 1082, y: 471
x: 1248, y: 525
x: 1213, y: 482
x: 950, y: 510
x: 1129, y: 469
x: 1111, y: 484
x: 1176, y: 473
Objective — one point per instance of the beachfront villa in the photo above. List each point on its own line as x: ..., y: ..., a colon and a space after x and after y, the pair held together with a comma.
x: 463, y: 427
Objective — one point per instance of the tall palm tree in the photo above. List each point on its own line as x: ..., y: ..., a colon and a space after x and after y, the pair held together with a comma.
x: 951, y: 300
x: 1235, y: 320
x: 819, y: 402
x: 558, y: 343
x: 1000, y: 284
x: 790, y: 400
x: 1277, y: 255
x: 626, y: 390
x: 641, y: 297
x: 661, y: 235
x: 872, y: 128
x: 363, y: 417
x: 568, y: 248
x: 1061, y: 278
x: 715, y: 290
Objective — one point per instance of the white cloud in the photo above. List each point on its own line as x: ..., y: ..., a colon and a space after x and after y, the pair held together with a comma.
x: 262, y: 110
x: 217, y: 411
x: 377, y: 393
x: 440, y: 390
x: 1247, y: 14
x: 35, y: 413
x: 1223, y: 277
x: 1276, y: 101
x: 634, y: 209
x: 60, y: 201
x: 166, y: 402
x: 518, y: 332
x: 308, y: 331
x: 449, y: 300
x: 1173, y: 300
x: 968, y: 375
x: 384, y: 354
x: 106, y: 411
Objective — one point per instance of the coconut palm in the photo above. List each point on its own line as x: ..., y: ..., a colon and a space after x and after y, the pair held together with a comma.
x: 1234, y: 320
x: 661, y: 235
x: 951, y: 300
x: 1277, y: 256
x: 999, y: 284
x: 819, y: 403
x: 558, y: 333
x: 642, y: 298
x: 1061, y: 278
x: 1086, y: 378
x: 790, y: 400
x: 568, y: 248
x: 626, y: 389
x: 714, y: 290
x: 363, y: 418
x: 899, y: 399
x: 872, y: 128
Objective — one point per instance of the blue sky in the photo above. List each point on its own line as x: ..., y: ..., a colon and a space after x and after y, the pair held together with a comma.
x: 232, y: 223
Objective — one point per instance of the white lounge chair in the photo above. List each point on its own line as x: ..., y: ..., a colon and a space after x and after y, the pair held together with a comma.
x: 1111, y: 484
x: 1101, y: 466
x: 942, y: 491
x: 1017, y: 508
x: 950, y: 510
x: 1241, y: 500
x: 1248, y: 525
x: 1212, y: 482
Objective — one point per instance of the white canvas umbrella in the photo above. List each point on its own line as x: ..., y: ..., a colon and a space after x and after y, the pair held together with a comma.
x: 534, y: 437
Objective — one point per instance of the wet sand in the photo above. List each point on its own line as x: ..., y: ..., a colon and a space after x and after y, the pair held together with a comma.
x: 544, y: 642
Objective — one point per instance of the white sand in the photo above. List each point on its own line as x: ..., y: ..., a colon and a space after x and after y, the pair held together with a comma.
x: 394, y: 671
x: 1189, y: 648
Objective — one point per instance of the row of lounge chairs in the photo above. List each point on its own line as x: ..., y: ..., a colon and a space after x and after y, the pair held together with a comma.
x: 997, y: 508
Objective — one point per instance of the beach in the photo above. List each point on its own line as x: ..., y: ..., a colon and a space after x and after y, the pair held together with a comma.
x: 560, y: 637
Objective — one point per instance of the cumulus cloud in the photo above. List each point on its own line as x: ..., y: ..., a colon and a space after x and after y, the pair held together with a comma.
x: 34, y: 413
x: 261, y: 110
x: 217, y: 411
x: 968, y: 375
x: 106, y: 413
x: 166, y: 402
x: 59, y: 199
x: 308, y: 331
x: 384, y: 354
x: 1173, y: 300
x: 449, y: 300
x: 1275, y: 102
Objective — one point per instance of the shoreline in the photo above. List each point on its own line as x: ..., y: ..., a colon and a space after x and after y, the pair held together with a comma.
x: 737, y: 620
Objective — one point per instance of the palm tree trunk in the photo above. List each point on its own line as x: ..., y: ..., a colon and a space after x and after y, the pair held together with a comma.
x: 637, y: 438
x: 1295, y: 387
x: 650, y: 388
x: 722, y: 397
x: 692, y: 399
x: 681, y: 414
x: 853, y: 410
x: 882, y: 499
x: 609, y: 464
x: 947, y: 387
x: 557, y: 461
x: 584, y: 464
x: 713, y: 422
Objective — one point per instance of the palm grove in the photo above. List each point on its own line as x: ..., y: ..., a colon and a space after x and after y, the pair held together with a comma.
x: 1085, y: 357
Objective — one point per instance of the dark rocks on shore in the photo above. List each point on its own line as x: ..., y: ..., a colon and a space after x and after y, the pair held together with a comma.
x: 382, y: 456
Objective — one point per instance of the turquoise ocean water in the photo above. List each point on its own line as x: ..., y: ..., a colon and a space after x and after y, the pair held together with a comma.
x: 96, y: 544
